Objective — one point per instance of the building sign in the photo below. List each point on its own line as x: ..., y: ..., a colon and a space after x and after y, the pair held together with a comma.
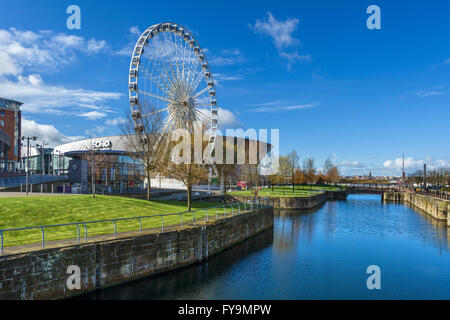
x: 102, y: 144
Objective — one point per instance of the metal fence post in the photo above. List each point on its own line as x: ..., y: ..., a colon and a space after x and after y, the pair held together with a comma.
x: 162, y: 227
x: 85, y: 233
x: 206, y: 212
x: 194, y: 217
x: 43, y: 237
x: 115, y: 229
x: 78, y: 233
x: 181, y: 220
x: 1, y: 246
x: 140, y: 225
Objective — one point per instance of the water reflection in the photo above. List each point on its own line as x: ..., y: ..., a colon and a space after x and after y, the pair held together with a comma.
x: 319, y: 254
x: 178, y: 283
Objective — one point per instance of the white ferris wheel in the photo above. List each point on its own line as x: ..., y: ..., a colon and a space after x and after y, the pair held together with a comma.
x: 169, y: 74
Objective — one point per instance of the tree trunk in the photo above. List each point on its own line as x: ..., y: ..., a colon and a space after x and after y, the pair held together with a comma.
x: 149, y: 190
x: 189, y: 196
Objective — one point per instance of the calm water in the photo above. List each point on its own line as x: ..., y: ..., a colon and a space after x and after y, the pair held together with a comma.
x: 322, y: 254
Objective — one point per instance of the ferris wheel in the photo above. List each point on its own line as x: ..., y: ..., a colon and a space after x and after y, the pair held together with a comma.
x: 170, y: 76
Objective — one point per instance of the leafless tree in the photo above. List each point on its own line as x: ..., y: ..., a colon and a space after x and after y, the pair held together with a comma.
x: 148, y: 143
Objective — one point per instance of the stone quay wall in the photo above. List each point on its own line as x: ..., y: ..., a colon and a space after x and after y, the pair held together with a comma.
x: 296, y: 202
x: 437, y: 208
x: 43, y: 274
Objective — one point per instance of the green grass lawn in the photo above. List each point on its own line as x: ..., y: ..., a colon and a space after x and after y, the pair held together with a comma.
x: 280, y: 191
x: 17, y: 212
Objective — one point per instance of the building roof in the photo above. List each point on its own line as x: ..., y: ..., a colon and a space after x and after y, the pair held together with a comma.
x: 10, y: 104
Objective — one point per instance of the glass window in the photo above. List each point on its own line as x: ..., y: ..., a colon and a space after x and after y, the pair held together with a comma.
x: 2, y: 123
x: 2, y: 113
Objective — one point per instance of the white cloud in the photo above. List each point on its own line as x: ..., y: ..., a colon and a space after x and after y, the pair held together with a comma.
x: 41, y: 98
x: 281, y: 33
x: 271, y: 107
x: 226, y: 118
x: 423, y: 94
x: 46, y: 132
x: 133, y: 34
x: 42, y: 51
x: 227, y: 57
x: 93, y: 115
x: 352, y: 165
x: 116, y: 121
x: 412, y: 164
x: 97, y: 131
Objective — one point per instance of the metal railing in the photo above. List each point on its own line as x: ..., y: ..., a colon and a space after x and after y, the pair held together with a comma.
x: 235, y: 209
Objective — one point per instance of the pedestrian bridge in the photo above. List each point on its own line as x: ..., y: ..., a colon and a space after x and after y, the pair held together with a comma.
x: 16, y: 180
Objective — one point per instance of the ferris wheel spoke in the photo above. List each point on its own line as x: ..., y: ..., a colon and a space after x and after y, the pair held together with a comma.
x: 156, y: 96
x: 158, y: 111
x: 201, y: 92
x: 153, y: 80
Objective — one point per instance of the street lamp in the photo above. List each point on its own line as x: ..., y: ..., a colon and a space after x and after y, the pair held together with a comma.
x: 33, y: 138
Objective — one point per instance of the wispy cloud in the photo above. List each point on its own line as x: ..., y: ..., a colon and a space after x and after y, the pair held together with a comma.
x: 39, y: 97
x: 282, y: 36
x: 447, y: 61
x: 424, y: 94
x: 271, y: 107
x: 227, y: 57
x: 133, y: 35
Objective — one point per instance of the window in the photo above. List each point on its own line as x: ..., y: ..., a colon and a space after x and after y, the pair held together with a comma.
x: 2, y: 113
x: 2, y: 123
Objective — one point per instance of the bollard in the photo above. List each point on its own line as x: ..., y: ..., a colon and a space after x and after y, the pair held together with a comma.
x: 42, y: 187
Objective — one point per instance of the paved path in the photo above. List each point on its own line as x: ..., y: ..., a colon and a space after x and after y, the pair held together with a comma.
x: 33, y: 194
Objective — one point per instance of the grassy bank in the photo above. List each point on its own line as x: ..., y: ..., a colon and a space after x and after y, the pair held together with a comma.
x: 288, y: 191
x: 18, y: 212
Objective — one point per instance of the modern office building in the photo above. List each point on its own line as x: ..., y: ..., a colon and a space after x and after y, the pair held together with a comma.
x: 10, y: 133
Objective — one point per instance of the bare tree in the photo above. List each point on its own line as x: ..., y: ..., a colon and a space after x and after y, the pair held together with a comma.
x: 148, y: 143
x: 189, y: 172
x: 292, y: 162
x: 309, y: 168
x: 331, y: 171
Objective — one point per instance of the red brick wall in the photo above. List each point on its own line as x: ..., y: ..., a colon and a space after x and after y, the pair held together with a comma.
x: 9, y: 127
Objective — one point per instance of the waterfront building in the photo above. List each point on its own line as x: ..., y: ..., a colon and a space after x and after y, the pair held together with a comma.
x: 10, y: 133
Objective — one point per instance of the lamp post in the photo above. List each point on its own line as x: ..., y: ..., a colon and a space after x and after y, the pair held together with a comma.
x: 33, y: 138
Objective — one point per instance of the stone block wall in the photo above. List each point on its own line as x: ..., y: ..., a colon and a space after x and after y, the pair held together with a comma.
x: 435, y: 207
x: 43, y: 274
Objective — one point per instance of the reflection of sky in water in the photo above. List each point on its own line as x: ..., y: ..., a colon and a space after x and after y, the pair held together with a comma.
x: 320, y: 254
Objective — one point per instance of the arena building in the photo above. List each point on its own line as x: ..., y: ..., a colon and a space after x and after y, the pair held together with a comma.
x: 10, y: 134
x: 115, y: 167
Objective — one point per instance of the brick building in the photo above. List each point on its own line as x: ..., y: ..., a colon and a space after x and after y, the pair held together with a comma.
x: 10, y: 133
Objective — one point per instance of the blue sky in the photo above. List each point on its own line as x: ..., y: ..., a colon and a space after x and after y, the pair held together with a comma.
x: 310, y: 68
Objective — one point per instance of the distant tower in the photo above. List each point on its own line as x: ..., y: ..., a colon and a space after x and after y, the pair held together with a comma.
x: 403, y: 167
x: 424, y: 175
